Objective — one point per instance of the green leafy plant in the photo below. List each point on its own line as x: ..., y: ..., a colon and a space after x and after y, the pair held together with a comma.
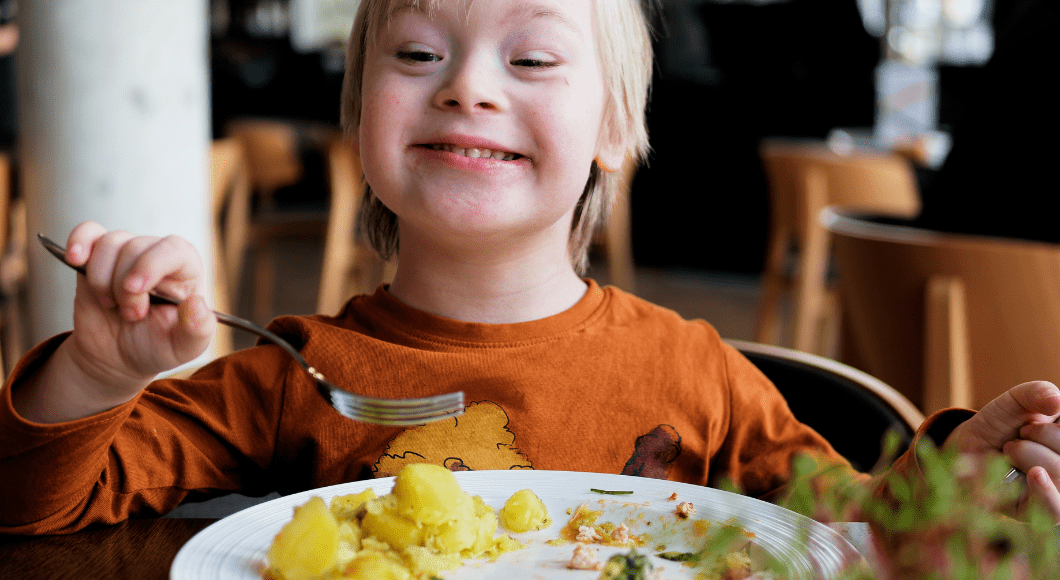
x: 954, y: 519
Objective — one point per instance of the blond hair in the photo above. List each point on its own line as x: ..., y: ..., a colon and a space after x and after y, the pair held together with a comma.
x: 624, y: 49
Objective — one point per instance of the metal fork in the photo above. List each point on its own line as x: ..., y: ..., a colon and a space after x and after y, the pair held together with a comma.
x: 400, y: 412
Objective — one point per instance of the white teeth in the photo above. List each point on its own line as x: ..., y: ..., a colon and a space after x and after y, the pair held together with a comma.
x: 476, y: 153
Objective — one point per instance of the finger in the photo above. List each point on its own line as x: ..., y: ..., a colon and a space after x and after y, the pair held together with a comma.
x: 102, y: 261
x: 1048, y: 434
x: 1000, y: 419
x: 1038, y: 397
x: 80, y: 241
x: 1025, y: 454
x: 122, y: 252
x: 170, y: 265
x: 1045, y: 490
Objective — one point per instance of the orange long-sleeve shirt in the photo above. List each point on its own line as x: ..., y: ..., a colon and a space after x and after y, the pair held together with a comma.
x: 612, y: 385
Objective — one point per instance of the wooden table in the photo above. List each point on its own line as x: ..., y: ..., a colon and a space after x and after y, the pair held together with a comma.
x: 143, y: 549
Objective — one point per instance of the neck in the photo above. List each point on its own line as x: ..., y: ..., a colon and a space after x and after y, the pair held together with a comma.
x: 495, y: 287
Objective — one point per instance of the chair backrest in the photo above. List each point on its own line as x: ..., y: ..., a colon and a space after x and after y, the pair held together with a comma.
x: 804, y: 174
x: 272, y: 152
x: 230, y: 204
x: 805, y: 177
x: 948, y: 320
x: 350, y: 265
x: 854, y: 411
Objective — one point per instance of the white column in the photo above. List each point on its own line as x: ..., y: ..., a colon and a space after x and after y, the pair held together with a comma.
x: 114, y: 128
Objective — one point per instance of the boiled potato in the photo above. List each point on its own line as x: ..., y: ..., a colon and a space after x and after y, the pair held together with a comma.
x: 524, y: 511
x: 308, y: 545
x: 428, y: 493
x: 455, y: 535
x: 427, y: 563
x: 377, y: 566
x: 383, y: 520
x: 345, y: 507
x: 486, y: 524
x: 425, y: 525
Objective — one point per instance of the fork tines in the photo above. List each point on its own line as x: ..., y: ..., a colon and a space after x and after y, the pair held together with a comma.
x: 400, y: 412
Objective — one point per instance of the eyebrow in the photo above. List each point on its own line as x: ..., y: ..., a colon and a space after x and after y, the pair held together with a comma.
x: 406, y: 5
x: 530, y: 12
x: 525, y: 12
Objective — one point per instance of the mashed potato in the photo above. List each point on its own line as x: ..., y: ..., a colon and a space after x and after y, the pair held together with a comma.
x: 425, y: 525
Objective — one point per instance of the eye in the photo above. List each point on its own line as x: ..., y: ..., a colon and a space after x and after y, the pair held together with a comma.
x: 534, y: 62
x: 418, y: 56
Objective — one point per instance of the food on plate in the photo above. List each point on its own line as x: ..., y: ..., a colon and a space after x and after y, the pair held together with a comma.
x: 426, y: 524
x: 629, y: 566
x: 307, y: 546
x: 726, y: 555
x: 685, y: 510
x: 524, y: 511
x: 584, y: 558
x: 582, y: 527
x: 610, y: 492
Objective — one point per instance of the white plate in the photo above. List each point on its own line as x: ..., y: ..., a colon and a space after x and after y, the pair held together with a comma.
x: 234, y: 548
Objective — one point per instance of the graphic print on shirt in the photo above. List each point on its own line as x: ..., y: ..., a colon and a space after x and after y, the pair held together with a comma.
x: 654, y: 453
x: 478, y: 439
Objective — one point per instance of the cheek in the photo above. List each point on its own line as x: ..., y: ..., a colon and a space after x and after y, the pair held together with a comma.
x: 380, y: 129
x: 573, y: 127
x: 577, y: 114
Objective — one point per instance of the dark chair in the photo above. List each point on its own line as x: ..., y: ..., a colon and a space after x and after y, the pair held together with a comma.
x: 851, y: 409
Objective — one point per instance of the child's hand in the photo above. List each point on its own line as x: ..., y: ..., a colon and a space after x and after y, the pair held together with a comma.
x: 1020, y: 424
x: 120, y: 342
x: 116, y: 330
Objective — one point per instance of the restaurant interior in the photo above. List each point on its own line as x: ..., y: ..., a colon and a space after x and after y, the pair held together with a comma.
x: 808, y: 158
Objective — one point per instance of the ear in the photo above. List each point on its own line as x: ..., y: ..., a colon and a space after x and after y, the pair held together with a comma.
x: 610, y: 157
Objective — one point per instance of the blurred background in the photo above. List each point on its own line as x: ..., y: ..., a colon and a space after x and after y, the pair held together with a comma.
x: 892, y: 77
x: 728, y: 74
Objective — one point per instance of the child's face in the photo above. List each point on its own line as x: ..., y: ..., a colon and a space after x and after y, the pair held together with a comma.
x: 517, y: 80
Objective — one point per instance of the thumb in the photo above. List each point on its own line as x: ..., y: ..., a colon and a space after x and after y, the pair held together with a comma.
x: 1000, y: 420
x: 195, y: 328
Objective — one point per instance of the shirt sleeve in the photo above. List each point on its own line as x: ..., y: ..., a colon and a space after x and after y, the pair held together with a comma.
x: 197, y: 437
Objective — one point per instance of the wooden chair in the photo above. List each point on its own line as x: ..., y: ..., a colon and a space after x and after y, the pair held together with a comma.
x: 13, y: 268
x: 804, y: 177
x: 948, y: 320
x: 230, y: 203
x: 350, y: 266
x: 853, y: 410
x: 273, y: 152
x: 614, y: 237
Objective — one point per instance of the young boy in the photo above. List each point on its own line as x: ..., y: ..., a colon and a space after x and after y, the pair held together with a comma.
x: 489, y: 131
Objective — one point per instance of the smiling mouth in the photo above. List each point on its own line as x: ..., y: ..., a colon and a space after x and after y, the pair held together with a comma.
x: 476, y: 152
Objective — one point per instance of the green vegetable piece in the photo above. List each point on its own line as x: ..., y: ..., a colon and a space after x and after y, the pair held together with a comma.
x: 606, y: 492
x: 679, y: 556
x: 629, y: 566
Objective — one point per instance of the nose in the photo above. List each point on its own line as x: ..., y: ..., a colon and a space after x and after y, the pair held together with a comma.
x: 472, y: 85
